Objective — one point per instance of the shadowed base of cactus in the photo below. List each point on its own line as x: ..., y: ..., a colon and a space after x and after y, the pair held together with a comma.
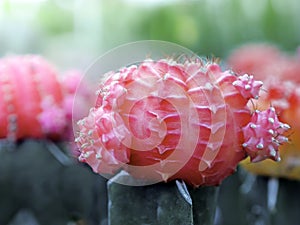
x: 248, y: 199
x: 32, y: 178
x: 160, y: 204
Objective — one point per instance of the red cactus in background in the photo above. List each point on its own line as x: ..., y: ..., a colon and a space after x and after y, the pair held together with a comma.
x: 164, y: 120
x: 254, y: 59
x: 265, y: 62
x: 34, y: 101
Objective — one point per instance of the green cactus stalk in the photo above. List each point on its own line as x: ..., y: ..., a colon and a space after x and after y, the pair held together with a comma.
x: 160, y: 204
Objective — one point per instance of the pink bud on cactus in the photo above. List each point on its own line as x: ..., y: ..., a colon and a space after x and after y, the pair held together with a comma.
x: 248, y: 87
x: 166, y: 120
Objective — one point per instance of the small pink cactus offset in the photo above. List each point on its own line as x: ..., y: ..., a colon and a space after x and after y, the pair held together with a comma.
x: 166, y: 120
x: 263, y: 135
x: 32, y: 99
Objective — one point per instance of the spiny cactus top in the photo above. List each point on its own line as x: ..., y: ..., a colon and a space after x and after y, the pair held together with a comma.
x: 166, y: 120
x: 280, y: 73
x: 33, y: 100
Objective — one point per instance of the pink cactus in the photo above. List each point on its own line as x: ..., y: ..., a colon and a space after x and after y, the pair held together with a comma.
x: 34, y: 102
x: 25, y: 82
x: 164, y: 120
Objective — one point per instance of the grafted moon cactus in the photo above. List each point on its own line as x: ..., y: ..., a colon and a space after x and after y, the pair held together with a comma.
x: 164, y: 120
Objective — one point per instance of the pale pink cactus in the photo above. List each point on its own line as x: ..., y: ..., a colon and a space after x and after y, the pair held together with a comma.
x: 166, y: 120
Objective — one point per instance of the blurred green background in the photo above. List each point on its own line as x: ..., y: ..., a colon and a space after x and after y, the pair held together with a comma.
x: 72, y: 33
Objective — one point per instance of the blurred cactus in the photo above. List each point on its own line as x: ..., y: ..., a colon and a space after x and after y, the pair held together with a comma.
x: 31, y: 100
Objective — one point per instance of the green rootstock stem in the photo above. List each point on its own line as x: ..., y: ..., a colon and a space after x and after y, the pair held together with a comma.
x: 160, y: 204
x: 247, y: 199
x: 204, y: 205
